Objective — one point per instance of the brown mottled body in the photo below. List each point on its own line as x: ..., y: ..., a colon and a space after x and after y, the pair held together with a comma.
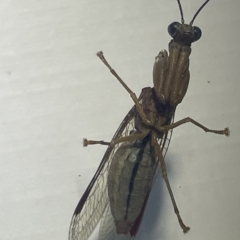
x: 134, y: 165
x: 130, y: 181
x: 121, y: 186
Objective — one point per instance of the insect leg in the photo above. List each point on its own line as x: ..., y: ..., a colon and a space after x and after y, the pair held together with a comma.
x: 188, y: 119
x: 165, y: 177
x: 133, y: 137
x: 132, y: 94
x: 87, y: 142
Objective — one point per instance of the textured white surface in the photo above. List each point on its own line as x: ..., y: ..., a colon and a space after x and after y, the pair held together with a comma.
x: 54, y: 91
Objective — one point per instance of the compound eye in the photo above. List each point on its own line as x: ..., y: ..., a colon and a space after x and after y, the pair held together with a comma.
x: 197, y: 34
x: 173, y: 29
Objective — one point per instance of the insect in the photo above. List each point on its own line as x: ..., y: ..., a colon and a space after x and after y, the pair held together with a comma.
x: 120, y: 188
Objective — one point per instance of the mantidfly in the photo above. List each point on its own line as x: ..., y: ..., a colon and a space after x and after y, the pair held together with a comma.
x: 120, y: 188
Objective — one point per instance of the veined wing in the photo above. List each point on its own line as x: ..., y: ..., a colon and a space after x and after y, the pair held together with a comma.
x: 107, y: 229
x: 95, y: 199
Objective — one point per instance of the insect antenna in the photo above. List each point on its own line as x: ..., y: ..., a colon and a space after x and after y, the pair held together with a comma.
x: 181, y: 11
x: 198, y: 11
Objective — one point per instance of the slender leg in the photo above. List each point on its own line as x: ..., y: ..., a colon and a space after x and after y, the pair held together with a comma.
x: 136, y: 136
x: 132, y: 94
x: 164, y: 174
x: 188, y: 119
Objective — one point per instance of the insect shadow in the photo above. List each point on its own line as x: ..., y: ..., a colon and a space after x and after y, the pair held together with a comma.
x: 157, y: 204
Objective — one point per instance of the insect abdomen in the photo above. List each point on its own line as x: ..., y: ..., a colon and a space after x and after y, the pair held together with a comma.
x: 129, y: 182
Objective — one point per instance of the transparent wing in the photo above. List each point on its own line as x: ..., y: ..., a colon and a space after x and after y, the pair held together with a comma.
x: 95, y: 199
x: 108, y: 229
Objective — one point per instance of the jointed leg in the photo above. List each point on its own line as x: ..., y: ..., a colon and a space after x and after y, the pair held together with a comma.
x: 188, y: 119
x: 132, y: 94
x: 164, y: 174
x: 136, y: 136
